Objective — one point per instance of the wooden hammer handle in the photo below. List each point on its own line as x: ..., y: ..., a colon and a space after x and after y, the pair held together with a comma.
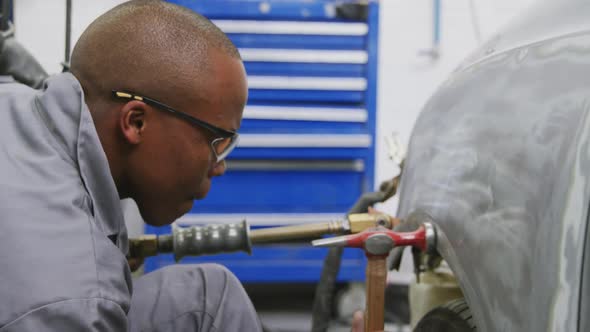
x: 376, y: 280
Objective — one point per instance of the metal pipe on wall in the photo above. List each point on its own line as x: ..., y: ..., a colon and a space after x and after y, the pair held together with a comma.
x: 68, y: 31
x: 5, y: 14
x: 436, y: 24
x: 433, y: 52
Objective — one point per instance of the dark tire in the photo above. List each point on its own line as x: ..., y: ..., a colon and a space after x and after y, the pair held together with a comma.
x: 454, y: 316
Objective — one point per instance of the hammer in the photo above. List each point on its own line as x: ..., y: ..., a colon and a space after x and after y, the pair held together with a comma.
x: 377, y: 243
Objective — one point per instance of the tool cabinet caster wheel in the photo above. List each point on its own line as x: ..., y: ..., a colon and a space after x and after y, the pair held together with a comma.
x: 454, y: 316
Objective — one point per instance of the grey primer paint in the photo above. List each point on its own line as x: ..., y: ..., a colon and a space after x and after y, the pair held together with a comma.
x: 500, y: 158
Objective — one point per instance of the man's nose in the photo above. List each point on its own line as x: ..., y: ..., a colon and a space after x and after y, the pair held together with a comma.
x: 218, y: 169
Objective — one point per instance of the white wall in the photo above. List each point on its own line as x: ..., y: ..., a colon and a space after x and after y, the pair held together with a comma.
x: 406, y: 79
x: 40, y: 26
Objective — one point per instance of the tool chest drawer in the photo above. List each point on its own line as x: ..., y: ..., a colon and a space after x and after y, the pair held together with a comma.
x: 306, y: 149
x: 285, y: 187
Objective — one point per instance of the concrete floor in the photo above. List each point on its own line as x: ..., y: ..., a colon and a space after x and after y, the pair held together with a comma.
x: 287, y: 308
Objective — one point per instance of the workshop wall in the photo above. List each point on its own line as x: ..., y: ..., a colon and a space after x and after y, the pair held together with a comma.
x: 41, y: 25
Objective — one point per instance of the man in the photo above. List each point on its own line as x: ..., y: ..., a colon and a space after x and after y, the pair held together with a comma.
x: 149, y: 111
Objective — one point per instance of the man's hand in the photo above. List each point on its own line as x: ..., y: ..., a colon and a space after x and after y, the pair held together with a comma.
x: 357, y: 322
x: 134, y: 263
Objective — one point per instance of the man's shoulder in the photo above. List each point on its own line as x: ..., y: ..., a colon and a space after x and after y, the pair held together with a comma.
x: 9, y: 87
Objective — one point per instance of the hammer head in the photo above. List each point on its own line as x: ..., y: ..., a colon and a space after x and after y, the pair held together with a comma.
x: 378, y: 244
x: 379, y: 240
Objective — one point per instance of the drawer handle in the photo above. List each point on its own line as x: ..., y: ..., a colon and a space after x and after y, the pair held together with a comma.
x: 304, y: 56
x: 306, y: 114
x: 304, y: 141
x: 292, y: 27
x: 296, y: 165
x: 307, y: 83
x: 258, y: 219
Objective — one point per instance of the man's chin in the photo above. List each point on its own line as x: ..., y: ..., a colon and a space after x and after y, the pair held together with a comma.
x: 168, y: 218
x: 202, y: 194
x: 159, y: 221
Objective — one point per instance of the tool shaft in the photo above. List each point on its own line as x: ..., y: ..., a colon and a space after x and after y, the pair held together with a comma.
x: 277, y: 234
x: 376, y: 279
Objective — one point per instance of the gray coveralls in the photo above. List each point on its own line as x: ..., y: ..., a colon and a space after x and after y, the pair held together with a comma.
x: 63, y: 238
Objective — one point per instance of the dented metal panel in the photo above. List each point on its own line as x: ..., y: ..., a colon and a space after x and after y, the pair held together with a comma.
x: 500, y: 159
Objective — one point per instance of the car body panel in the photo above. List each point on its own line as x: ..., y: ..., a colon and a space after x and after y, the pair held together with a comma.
x: 500, y: 159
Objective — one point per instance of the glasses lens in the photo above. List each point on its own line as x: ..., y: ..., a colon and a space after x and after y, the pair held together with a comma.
x: 223, y: 146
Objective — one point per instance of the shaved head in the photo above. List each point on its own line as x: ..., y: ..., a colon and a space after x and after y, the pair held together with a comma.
x: 139, y: 44
x: 160, y: 51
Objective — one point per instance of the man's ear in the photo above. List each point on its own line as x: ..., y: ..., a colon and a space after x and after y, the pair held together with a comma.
x: 132, y: 121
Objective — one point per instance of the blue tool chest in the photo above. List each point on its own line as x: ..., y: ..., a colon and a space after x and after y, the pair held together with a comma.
x: 306, y: 150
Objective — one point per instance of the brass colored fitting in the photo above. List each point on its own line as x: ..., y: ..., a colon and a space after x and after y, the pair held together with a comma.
x: 143, y: 246
x: 361, y: 221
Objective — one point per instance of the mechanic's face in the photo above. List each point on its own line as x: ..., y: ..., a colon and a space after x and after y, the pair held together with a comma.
x: 179, y: 162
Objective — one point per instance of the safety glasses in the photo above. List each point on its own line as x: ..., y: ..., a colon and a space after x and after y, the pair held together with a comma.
x: 223, y: 143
